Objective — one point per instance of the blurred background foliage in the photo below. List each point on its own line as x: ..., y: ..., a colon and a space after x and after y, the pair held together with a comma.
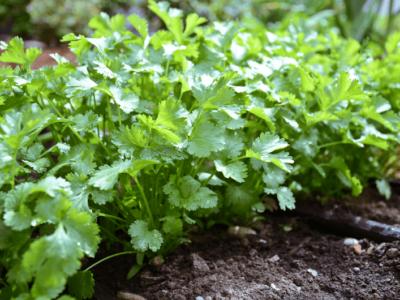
x: 48, y: 20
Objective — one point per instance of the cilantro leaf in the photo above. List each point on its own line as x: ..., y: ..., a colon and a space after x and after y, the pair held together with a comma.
x: 106, y: 177
x: 172, y: 224
x: 81, y: 284
x: 205, y: 138
x: 262, y: 148
x: 85, y: 122
x: 143, y: 238
x: 236, y: 170
x: 384, y: 188
x: 189, y: 194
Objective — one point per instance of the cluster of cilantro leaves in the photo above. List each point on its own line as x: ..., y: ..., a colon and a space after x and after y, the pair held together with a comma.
x: 149, y: 133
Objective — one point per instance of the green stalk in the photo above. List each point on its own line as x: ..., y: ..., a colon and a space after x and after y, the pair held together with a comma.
x: 198, y: 167
x: 145, y: 202
x: 13, y: 169
x: 108, y: 257
x: 70, y: 128
x: 119, y: 116
x: 100, y: 142
x: 238, y: 158
x: 194, y: 166
x: 330, y: 144
x: 209, y: 178
x: 110, y: 121
x: 111, y: 216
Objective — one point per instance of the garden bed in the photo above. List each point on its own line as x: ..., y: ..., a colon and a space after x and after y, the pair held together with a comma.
x: 307, y: 262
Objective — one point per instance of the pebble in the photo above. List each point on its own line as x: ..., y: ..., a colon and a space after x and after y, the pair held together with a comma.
x: 274, y: 287
x: 356, y: 249
x: 370, y: 250
x: 200, y: 266
x: 350, y: 242
x: 392, y: 253
x: 313, y: 272
x: 274, y: 258
x: 199, y: 298
x: 252, y: 252
x: 356, y: 269
x: 227, y: 292
x: 208, y: 298
x: 129, y: 296
x: 239, y: 232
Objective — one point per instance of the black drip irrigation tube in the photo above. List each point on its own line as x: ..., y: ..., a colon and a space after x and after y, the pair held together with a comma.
x: 348, y: 225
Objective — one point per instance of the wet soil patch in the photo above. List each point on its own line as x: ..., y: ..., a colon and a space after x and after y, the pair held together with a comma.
x: 304, y: 263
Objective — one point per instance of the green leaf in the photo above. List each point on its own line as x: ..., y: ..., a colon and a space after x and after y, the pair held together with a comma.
x: 134, y: 270
x: 64, y: 248
x: 117, y: 22
x: 106, y: 177
x: 205, y: 138
x: 353, y: 182
x: 15, y: 53
x: 79, y: 85
x: 130, y: 141
x: 171, y: 115
x: 192, y: 21
x: 285, y: 197
x: 384, y: 188
x: 236, y: 170
x: 189, y: 194
x: 172, y: 224
x: 139, y: 24
x: 262, y: 150
x: 306, y: 81
x: 144, y: 239
x: 81, y: 285
x: 84, y: 122
x: 241, y: 198
x: 138, y: 165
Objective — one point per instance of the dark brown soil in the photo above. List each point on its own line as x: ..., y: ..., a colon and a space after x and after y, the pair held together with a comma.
x: 301, y: 264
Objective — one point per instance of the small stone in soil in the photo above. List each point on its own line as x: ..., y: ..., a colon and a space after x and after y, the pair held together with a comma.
x: 356, y: 249
x: 350, y: 242
x: 252, y: 252
x: 369, y: 250
x: 199, y: 298
x: 357, y: 270
x: 274, y: 258
x: 208, y: 298
x: 312, y: 272
x: 129, y: 296
x: 200, y: 267
x: 392, y: 253
x: 227, y: 292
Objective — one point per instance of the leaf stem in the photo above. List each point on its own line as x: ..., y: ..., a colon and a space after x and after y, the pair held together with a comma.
x: 330, y: 144
x: 108, y: 257
x: 70, y: 127
x: 198, y: 167
x: 145, y: 201
x: 100, y: 142
x: 235, y: 159
x: 113, y: 217
x: 13, y: 169
x: 209, y: 178
x: 119, y: 116
x: 110, y: 121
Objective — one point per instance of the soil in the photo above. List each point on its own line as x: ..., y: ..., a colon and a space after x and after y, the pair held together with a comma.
x: 305, y: 263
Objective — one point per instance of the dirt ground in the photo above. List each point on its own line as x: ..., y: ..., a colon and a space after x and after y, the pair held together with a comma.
x: 304, y: 263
